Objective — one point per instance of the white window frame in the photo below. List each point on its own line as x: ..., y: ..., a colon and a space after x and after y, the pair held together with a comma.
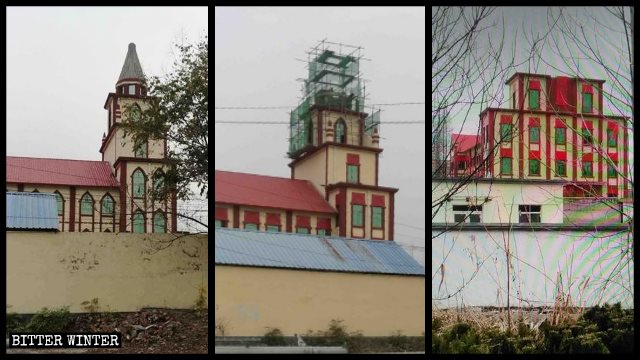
x: 529, y: 212
x: 467, y: 213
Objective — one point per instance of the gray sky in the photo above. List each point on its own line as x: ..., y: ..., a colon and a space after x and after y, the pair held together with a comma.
x: 62, y: 62
x: 255, y: 60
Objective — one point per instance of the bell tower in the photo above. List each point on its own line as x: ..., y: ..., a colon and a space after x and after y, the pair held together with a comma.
x: 134, y: 164
x: 335, y: 144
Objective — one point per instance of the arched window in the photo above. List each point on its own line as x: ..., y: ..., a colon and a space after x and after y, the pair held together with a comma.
x: 60, y: 201
x: 86, y: 204
x: 138, y: 183
x: 107, y: 205
x: 158, y: 182
x: 159, y: 222
x: 138, y: 222
x: 341, y: 132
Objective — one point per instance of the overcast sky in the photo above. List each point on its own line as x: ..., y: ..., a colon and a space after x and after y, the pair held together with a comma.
x: 255, y: 61
x: 62, y: 62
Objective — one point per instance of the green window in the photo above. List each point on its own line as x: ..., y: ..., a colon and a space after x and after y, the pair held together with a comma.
x: 301, y: 230
x: 358, y: 215
x: 534, y: 99
x: 587, y: 102
x: 251, y: 227
x: 586, y: 135
x: 138, y: 183
x: 534, y: 134
x: 353, y: 174
x: 378, y: 217
x: 86, y: 205
x: 140, y: 150
x: 159, y: 224
x: 60, y: 201
x: 561, y: 136
x: 561, y: 168
x: 611, y: 171
x: 612, y: 140
x: 505, y: 131
x: 534, y: 167
x: 505, y: 166
x: 107, y: 205
x: 587, y: 168
x: 218, y: 224
x: 322, y: 232
x: 273, y: 228
x: 138, y: 222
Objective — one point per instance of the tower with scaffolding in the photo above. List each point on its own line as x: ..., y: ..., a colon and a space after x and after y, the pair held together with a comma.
x: 333, y: 90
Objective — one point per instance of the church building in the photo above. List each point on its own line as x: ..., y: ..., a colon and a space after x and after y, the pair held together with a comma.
x: 334, y: 148
x: 111, y: 195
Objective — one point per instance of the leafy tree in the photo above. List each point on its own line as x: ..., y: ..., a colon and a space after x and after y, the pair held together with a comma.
x: 178, y: 111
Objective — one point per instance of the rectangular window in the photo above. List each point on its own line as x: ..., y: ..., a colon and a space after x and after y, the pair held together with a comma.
x: 587, y: 137
x: 358, y: 215
x: 324, y: 232
x: 302, y: 230
x: 251, y: 227
x: 612, y: 140
x: 505, y: 166
x: 505, y: 132
x: 353, y: 175
x: 587, y: 169
x: 218, y: 224
x: 534, y: 167
x: 611, y: 172
x: 462, y: 165
x: 273, y: 228
x: 378, y: 217
x: 530, y: 213
x: 534, y: 99
x: 466, y: 213
x: 587, y: 102
x: 561, y: 136
x: 561, y: 168
x: 534, y: 134
x: 132, y: 89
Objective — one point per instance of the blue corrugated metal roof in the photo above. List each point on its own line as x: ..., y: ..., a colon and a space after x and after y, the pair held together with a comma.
x: 32, y: 211
x: 310, y: 252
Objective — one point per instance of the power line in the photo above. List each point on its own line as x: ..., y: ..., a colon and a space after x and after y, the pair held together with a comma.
x: 293, y: 107
x: 288, y: 123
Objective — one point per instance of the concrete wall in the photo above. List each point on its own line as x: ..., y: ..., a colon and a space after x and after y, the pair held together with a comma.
x: 250, y: 299
x: 121, y: 270
x: 504, y: 199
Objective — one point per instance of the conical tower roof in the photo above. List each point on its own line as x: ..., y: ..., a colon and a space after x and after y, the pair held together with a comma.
x: 131, y: 68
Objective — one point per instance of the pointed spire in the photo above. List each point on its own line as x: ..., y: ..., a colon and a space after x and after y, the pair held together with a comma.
x: 131, y: 68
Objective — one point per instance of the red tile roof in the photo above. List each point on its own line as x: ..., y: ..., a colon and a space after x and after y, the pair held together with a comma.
x: 266, y: 191
x: 465, y: 142
x: 60, y: 172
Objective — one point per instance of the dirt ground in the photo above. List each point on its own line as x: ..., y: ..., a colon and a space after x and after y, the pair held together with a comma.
x: 166, y: 331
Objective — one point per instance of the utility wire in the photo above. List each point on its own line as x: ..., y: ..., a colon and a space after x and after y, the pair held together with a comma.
x: 288, y: 123
x: 292, y: 107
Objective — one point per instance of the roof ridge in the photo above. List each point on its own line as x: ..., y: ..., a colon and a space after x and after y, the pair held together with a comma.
x: 42, y: 158
x: 267, y: 176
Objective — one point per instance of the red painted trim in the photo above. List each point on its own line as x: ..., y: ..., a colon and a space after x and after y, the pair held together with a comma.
x: 541, y: 112
x: 547, y: 137
x: 600, y: 106
x: 72, y: 209
x: 65, y: 185
x: 600, y: 130
x: 575, y: 148
x: 361, y: 187
x: 274, y: 208
x: 521, y: 146
x: 342, y: 198
x: 491, y: 162
x: 625, y: 162
x: 236, y: 217
x: 521, y: 92
x: 123, y: 197
x: 289, y: 221
x: 392, y: 223
x: 140, y: 160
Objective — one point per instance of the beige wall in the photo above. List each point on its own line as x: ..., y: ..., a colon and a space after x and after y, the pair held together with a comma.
x: 59, y: 269
x: 250, y: 299
x: 313, y: 169
x: 338, y: 165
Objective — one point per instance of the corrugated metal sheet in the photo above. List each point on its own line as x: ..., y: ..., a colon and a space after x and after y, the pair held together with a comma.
x: 32, y: 211
x: 59, y: 172
x: 309, y: 252
x: 268, y: 191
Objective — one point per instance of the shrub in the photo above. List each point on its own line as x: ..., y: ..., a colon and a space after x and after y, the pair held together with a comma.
x: 274, y: 337
x: 54, y: 320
